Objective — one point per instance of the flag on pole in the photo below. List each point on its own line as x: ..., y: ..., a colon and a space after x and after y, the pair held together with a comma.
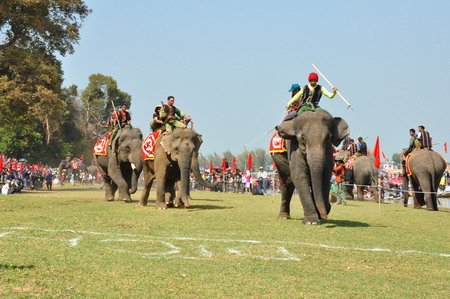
x: 1, y: 163
x: 384, y: 156
x: 445, y: 147
x: 274, y: 166
x: 224, y: 164
x: 250, y: 161
x: 210, y: 167
x: 376, y: 152
x: 233, y: 164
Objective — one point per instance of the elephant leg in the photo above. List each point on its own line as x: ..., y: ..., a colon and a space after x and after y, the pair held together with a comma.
x: 349, y: 190
x: 360, y: 193
x: 169, y: 195
x: 109, y: 189
x: 302, y: 182
x: 160, y: 189
x: 286, y: 196
x: 147, y: 187
x: 418, y: 197
x: 426, y: 186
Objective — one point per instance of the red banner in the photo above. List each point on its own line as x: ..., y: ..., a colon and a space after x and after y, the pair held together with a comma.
x: 277, y: 144
x: 376, y: 152
x: 384, y: 156
x: 101, y: 145
x: 148, y: 146
x: 445, y: 147
x: 250, y: 162
x: 210, y: 167
x: 233, y: 164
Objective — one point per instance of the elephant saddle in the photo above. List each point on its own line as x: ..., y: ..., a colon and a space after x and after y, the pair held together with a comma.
x: 148, y: 146
x: 277, y: 144
x: 408, y: 169
x: 101, y: 145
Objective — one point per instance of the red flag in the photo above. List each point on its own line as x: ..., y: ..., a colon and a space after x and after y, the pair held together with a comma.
x: 233, y: 164
x: 210, y: 167
x: 224, y: 164
x: 384, y: 156
x: 274, y: 166
x: 1, y: 162
x: 445, y: 147
x: 376, y: 152
x: 15, y: 165
x: 250, y: 161
x: 21, y: 167
x: 333, y: 150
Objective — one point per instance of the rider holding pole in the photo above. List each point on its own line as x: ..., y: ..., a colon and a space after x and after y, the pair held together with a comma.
x: 310, y: 95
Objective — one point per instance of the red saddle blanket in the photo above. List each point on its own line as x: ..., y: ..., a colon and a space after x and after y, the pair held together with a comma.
x: 277, y: 144
x: 349, y: 163
x: 408, y: 158
x: 148, y: 146
x: 101, y: 145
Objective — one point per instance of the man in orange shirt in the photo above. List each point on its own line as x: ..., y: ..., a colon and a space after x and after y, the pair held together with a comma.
x: 339, y: 172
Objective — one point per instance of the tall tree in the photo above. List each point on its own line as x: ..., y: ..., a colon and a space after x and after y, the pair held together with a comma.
x: 50, y: 26
x: 97, y: 98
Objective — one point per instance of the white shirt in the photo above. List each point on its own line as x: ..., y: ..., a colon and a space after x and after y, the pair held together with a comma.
x: 262, y: 175
x: 5, y: 189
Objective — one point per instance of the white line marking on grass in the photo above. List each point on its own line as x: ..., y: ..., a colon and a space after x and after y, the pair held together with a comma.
x: 289, y: 256
x: 233, y: 240
x: 205, y: 252
x: 74, y: 242
x: 4, y: 234
x: 174, y: 248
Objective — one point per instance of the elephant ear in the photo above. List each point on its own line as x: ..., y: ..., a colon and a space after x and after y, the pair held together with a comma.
x: 169, y: 143
x: 286, y: 129
x: 198, y: 140
x: 340, y: 131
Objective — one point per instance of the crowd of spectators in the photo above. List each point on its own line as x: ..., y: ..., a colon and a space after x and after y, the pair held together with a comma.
x: 237, y: 182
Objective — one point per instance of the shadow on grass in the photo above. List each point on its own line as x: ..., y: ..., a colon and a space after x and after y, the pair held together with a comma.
x: 14, y: 267
x: 196, y: 207
x: 343, y: 223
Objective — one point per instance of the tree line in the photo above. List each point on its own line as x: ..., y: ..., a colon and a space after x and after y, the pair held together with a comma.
x: 42, y: 120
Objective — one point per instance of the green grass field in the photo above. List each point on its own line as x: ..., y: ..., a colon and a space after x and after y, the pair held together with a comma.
x: 71, y: 243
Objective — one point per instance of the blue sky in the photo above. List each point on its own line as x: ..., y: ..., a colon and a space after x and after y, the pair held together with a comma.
x: 230, y: 64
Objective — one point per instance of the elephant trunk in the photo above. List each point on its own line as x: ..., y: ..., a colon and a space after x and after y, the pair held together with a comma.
x: 136, y: 166
x: 185, y: 171
x: 198, y: 176
x: 316, y: 162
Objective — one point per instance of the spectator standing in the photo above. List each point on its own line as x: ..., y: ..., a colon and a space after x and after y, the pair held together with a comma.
x: 262, y: 176
x: 339, y: 172
x: 49, y: 181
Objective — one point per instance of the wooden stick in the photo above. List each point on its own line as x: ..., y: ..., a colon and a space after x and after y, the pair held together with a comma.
x: 342, y: 97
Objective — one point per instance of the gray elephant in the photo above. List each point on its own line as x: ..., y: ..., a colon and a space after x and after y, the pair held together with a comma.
x: 310, y: 157
x: 74, y: 166
x: 427, y: 168
x: 176, y: 154
x: 120, y: 169
x: 287, y: 188
x: 364, y: 174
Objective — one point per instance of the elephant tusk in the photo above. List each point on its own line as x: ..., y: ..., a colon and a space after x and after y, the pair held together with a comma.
x: 133, y: 166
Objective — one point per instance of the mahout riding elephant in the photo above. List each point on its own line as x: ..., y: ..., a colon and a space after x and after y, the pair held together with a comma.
x: 176, y: 154
x: 120, y: 169
x: 427, y: 168
x: 364, y: 174
x: 310, y: 157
